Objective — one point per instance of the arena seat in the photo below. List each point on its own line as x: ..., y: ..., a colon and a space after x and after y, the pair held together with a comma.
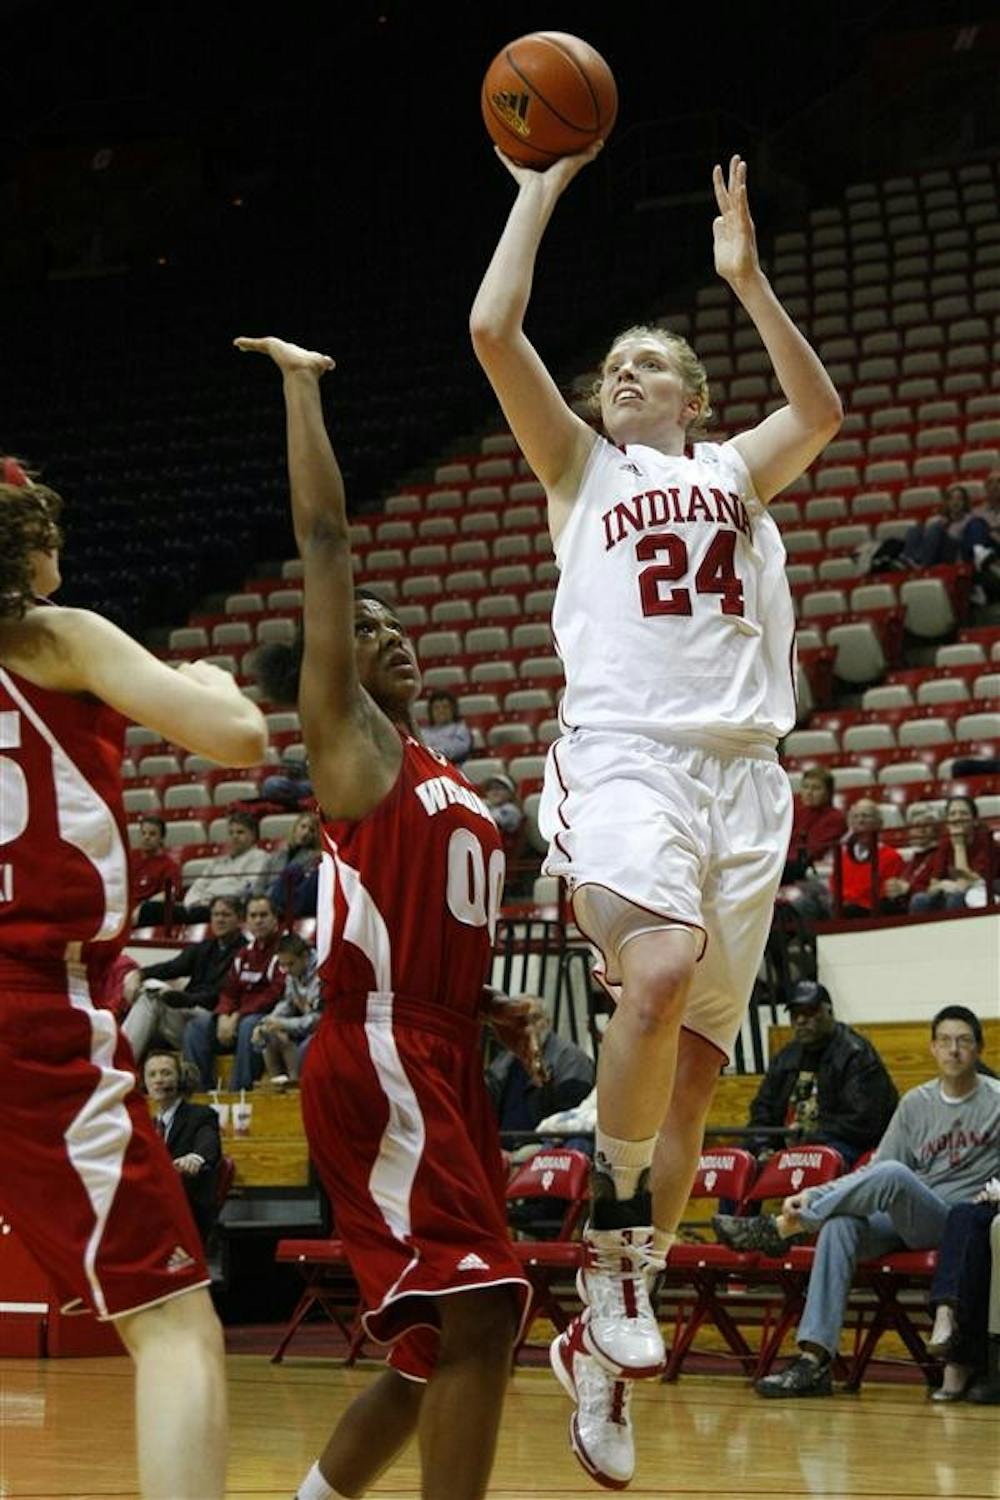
x: 726, y: 1172
x: 554, y: 1175
x: 786, y: 1172
x: 328, y: 1282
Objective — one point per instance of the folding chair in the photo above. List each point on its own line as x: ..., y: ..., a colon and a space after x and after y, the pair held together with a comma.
x: 327, y: 1277
x: 889, y: 1277
x: 554, y: 1175
x: 727, y: 1172
x: 787, y: 1172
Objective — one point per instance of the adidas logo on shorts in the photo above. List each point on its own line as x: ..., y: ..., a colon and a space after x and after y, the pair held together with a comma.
x: 179, y: 1259
x: 472, y: 1262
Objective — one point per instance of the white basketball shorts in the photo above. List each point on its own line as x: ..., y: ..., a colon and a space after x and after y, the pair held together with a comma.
x: 689, y: 837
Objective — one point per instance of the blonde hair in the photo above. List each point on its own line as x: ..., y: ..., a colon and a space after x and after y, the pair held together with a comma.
x: 693, y: 374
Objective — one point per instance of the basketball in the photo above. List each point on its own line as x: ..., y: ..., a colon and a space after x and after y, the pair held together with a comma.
x: 548, y: 95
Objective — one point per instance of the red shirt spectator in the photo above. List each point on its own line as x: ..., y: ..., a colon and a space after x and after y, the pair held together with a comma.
x: 256, y: 980
x: 816, y: 825
x: 855, y: 859
x: 947, y: 866
x: 151, y: 868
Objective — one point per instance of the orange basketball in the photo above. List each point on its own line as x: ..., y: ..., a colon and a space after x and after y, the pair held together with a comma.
x: 548, y: 95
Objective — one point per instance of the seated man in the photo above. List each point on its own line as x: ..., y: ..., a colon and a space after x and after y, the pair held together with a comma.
x: 252, y: 987
x: 164, y: 996
x: 282, y: 1036
x: 151, y: 871
x: 521, y: 1100
x: 854, y: 858
x: 238, y: 871
x: 190, y: 1131
x: 828, y: 1085
x: 942, y: 1145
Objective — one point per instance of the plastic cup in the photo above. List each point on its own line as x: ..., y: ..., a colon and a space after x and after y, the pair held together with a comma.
x: 222, y: 1110
x: 242, y: 1115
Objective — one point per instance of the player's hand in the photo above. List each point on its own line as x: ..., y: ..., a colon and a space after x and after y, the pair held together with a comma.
x: 289, y: 358
x: 555, y: 178
x: 225, y: 1028
x: 733, y: 233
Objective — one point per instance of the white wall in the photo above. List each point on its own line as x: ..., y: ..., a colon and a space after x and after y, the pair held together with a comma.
x: 907, y: 973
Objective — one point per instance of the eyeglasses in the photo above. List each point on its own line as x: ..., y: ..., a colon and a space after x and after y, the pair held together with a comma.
x: 963, y: 1043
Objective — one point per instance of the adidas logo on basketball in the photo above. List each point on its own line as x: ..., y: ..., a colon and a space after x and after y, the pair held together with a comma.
x: 179, y: 1259
x: 472, y: 1262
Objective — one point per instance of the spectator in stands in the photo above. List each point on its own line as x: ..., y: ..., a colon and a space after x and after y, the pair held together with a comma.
x: 521, y: 1101
x: 817, y: 826
x: 827, y: 1085
x: 446, y: 732
x: 942, y: 538
x: 190, y: 1131
x: 291, y: 786
x: 252, y: 987
x: 151, y: 871
x: 164, y: 996
x: 923, y: 826
x: 289, y: 868
x: 962, y: 862
x: 239, y: 871
x: 282, y: 1038
x: 854, y: 857
x: 942, y: 1146
x: 500, y: 796
x: 982, y: 542
x: 966, y: 1330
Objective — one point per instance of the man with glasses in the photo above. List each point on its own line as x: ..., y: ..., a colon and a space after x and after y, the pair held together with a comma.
x: 941, y: 1146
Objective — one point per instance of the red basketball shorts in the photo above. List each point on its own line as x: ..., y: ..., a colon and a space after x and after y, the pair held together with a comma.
x: 84, y: 1178
x: 402, y: 1132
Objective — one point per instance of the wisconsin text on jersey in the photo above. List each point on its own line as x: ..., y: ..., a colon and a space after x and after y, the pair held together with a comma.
x: 441, y: 792
x: 676, y: 505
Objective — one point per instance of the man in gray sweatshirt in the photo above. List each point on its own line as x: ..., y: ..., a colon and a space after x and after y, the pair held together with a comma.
x: 941, y: 1146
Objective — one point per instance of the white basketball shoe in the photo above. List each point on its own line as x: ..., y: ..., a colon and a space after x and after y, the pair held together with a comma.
x: 600, y: 1430
x: 619, y: 1326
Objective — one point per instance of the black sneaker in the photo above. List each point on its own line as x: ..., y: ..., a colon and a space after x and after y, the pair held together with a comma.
x: 759, y: 1233
x: 803, y: 1377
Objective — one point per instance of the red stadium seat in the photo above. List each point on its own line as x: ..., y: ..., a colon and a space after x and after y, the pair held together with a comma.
x: 554, y: 1175
x: 328, y: 1282
x: 728, y: 1173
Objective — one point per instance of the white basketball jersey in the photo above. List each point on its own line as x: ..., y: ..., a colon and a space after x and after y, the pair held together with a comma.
x: 672, y: 615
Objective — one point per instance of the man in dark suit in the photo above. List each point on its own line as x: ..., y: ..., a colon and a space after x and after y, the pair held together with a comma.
x: 191, y: 1133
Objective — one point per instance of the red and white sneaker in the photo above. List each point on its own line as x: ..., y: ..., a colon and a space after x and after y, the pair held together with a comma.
x: 600, y: 1430
x: 619, y: 1327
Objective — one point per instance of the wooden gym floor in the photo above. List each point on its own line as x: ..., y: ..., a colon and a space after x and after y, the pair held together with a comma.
x: 66, y: 1434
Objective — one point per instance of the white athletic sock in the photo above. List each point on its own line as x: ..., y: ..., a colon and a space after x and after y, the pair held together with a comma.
x: 315, y: 1487
x: 622, y: 1161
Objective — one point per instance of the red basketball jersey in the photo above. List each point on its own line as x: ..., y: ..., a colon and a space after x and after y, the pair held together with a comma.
x: 64, y: 882
x: 409, y: 895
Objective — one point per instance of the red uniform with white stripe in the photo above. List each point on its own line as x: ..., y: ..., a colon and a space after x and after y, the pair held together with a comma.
x: 84, y: 1178
x: 393, y: 1098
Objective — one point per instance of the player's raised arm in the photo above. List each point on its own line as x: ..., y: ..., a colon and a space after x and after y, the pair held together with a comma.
x: 354, y: 753
x: 552, y: 438
x: 781, y: 447
x: 196, y: 705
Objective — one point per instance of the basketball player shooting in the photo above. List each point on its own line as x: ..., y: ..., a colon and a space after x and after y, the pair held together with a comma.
x: 664, y: 803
